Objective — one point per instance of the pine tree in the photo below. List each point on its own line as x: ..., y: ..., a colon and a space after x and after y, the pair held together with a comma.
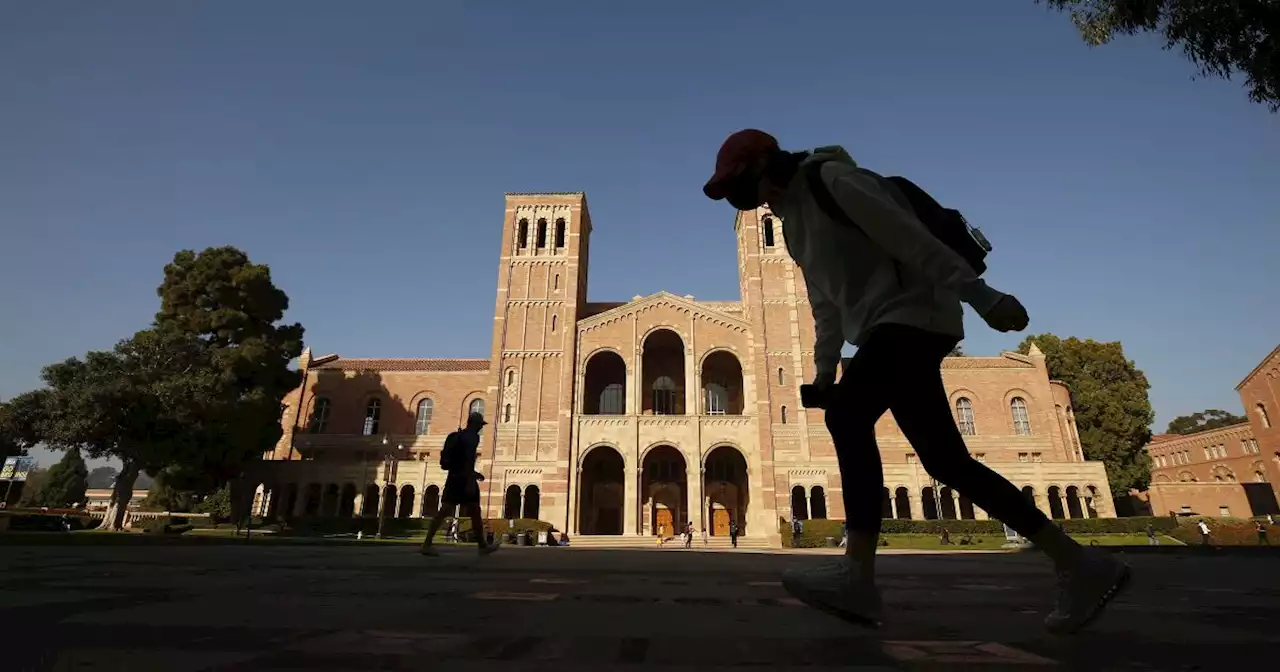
x: 66, y: 482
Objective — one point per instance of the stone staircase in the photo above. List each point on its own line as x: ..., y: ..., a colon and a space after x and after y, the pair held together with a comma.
x: 648, y: 542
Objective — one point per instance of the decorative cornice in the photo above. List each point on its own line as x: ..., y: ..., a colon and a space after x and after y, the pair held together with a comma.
x: 532, y: 354
x: 664, y: 299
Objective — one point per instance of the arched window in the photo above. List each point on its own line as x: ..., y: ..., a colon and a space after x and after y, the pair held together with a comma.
x: 423, y: 423
x: 542, y: 233
x: 506, y: 413
x: 716, y: 399
x: 664, y: 396
x: 511, y: 377
x: 522, y: 234
x: 553, y: 323
x: 964, y: 417
x: 560, y: 233
x: 555, y: 284
x: 372, y: 415
x: 1263, y: 417
x: 1021, y: 421
x: 320, y: 415
x: 784, y: 415
x: 767, y: 225
x: 477, y: 406
x: 612, y: 400
x: 781, y: 380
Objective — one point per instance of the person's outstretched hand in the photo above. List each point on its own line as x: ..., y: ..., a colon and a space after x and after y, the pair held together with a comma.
x: 1007, y: 315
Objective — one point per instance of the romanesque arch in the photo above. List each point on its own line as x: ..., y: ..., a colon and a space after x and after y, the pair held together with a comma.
x: 405, y: 508
x: 902, y: 502
x: 511, y: 503
x: 662, y: 381
x: 727, y: 488
x: 664, y: 490
x: 604, y: 384
x: 600, y: 491
x: 1055, y: 503
x: 347, y: 506
x: 722, y: 388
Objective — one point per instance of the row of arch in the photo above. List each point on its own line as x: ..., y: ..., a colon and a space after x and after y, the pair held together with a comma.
x: 321, y: 407
x: 810, y: 503
x: 1220, y: 474
x: 663, y: 502
x: 663, y: 380
x: 539, y: 240
x: 333, y: 499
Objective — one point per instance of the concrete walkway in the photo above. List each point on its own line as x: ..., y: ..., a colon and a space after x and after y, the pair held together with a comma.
x: 384, y: 607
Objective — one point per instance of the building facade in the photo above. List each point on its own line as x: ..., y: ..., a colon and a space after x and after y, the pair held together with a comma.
x: 637, y: 416
x: 1230, y: 471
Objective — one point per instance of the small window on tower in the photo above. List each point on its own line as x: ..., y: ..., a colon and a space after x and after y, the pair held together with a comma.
x: 767, y: 224
x: 555, y: 284
x: 506, y: 413
x: 542, y: 233
x: 560, y: 233
x: 522, y: 234
x: 553, y: 322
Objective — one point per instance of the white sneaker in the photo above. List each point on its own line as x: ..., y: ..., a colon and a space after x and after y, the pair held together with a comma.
x: 488, y: 549
x: 1084, y: 590
x: 835, y: 590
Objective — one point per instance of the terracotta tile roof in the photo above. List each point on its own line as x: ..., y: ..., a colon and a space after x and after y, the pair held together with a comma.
x: 435, y: 364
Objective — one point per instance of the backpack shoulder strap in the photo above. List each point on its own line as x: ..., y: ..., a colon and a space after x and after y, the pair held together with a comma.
x: 822, y: 196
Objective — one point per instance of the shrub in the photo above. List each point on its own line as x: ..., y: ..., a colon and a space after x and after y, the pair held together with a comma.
x: 162, y: 526
x: 47, y: 522
x: 816, y: 531
x: 1223, y: 532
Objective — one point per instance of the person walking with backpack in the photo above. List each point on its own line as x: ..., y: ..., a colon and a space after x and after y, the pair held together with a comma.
x: 887, y: 270
x: 461, y: 485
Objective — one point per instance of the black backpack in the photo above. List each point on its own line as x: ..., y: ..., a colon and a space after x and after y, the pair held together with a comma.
x: 446, y: 453
x: 945, y: 224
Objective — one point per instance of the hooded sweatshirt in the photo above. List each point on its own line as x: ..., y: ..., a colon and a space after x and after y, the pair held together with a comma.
x: 853, y: 282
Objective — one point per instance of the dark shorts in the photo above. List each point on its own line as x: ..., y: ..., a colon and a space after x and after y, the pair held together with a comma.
x: 460, y: 489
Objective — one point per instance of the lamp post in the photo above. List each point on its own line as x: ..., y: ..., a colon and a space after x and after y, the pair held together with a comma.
x: 388, y: 470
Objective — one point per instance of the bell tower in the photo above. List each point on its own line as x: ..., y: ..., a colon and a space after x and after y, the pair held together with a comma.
x: 542, y: 283
x: 775, y: 302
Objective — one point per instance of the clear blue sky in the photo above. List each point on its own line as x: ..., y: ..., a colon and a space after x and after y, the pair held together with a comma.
x: 362, y: 150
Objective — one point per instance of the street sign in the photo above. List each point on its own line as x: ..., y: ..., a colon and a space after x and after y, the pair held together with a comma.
x: 16, y: 468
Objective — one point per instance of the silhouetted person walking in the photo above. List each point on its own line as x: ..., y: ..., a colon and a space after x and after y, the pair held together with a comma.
x: 733, y: 533
x: 887, y: 270
x: 462, y: 484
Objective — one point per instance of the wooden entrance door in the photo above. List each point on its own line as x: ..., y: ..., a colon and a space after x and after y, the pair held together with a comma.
x: 720, y: 522
x: 663, y: 523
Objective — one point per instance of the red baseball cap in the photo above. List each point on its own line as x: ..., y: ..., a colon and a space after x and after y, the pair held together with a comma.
x: 738, y: 151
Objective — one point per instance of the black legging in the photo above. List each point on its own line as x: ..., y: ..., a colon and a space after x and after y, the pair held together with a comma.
x: 898, y: 368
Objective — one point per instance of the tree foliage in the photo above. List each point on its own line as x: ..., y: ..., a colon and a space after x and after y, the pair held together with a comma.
x: 1221, y: 37
x: 65, y: 483
x: 198, y: 395
x: 102, y: 477
x: 1203, y: 421
x: 1113, y: 412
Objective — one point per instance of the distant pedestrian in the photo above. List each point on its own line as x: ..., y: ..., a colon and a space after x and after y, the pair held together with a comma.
x: 1262, y: 533
x: 688, y: 534
x: 704, y: 537
x: 1204, y: 533
x: 733, y: 533
x: 1152, y: 539
x: 797, y: 529
x: 461, y: 485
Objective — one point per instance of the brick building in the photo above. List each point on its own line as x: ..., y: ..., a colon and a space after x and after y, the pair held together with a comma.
x: 628, y: 417
x: 1231, y: 471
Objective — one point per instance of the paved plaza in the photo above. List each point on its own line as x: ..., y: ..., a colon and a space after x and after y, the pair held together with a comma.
x: 276, y: 607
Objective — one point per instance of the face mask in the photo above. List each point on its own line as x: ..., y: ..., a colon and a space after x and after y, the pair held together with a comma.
x: 745, y: 193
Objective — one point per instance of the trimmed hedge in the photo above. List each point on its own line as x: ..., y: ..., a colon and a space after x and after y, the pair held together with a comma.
x: 29, y: 521
x: 816, y: 531
x: 399, y: 527
x: 1223, y: 532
